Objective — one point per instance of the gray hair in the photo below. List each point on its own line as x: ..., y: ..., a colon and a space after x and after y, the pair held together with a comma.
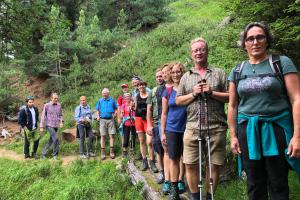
x: 263, y: 26
x: 105, y: 90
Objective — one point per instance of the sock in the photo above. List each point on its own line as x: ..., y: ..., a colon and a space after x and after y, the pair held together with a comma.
x: 195, y: 196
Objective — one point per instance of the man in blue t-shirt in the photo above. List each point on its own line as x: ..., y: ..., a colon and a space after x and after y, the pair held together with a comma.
x: 107, y: 110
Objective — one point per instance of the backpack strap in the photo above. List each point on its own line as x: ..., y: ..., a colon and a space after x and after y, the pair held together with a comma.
x: 276, y: 66
x: 237, y: 72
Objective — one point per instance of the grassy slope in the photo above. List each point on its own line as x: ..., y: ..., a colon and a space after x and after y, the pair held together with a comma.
x: 80, y: 180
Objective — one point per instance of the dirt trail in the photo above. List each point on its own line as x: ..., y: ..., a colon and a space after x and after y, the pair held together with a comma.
x: 66, y: 160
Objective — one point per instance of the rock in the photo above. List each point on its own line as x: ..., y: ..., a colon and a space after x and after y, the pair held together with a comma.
x: 69, y: 135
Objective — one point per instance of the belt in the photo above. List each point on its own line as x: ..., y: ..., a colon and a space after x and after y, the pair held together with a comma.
x: 105, y: 117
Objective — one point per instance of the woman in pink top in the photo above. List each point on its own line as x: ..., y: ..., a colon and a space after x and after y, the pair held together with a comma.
x: 127, y: 115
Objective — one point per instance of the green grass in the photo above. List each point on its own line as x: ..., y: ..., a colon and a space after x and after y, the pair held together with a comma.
x: 47, y: 180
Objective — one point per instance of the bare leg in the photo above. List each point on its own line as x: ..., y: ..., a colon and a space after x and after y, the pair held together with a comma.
x: 174, y: 169
x: 142, y: 144
x: 192, y: 176
x: 215, y: 176
x: 150, y: 147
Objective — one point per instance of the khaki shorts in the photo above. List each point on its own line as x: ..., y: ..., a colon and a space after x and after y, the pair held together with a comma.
x: 107, y: 126
x: 217, y: 145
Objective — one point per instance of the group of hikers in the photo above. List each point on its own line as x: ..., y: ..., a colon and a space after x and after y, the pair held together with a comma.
x: 183, y: 122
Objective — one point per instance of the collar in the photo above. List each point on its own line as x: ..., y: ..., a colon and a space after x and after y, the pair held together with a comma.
x: 195, y: 71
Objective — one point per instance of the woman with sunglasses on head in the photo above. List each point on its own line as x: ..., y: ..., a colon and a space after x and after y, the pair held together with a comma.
x: 264, y: 115
x: 173, y: 120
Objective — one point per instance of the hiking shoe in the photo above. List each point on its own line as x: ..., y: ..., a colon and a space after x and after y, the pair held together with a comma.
x: 91, y: 154
x: 166, y: 188
x: 26, y: 156
x: 181, y: 187
x: 112, y: 153
x: 153, y: 167
x: 174, y: 194
x: 161, y: 177
x: 144, y: 164
x: 103, y: 156
x: 83, y: 156
x: 55, y: 158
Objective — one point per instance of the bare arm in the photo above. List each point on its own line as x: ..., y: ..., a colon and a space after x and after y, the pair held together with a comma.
x: 232, y: 115
x: 149, y: 117
x: 292, y: 83
x: 164, y: 115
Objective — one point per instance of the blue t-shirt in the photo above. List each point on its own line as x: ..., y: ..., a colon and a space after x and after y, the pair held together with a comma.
x: 106, y: 107
x: 176, y: 118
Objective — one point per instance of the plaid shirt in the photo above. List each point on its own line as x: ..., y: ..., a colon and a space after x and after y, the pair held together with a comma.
x: 51, y: 115
x: 217, y: 80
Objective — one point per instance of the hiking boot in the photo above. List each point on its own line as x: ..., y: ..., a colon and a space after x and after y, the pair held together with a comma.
x: 144, y: 164
x: 91, y: 154
x: 83, y: 156
x: 153, y: 167
x: 103, y: 156
x: 166, y: 188
x: 174, y: 194
x: 26, y: 156
x: 181, y: 187
x: 112, y: 153
x: 161, y: 177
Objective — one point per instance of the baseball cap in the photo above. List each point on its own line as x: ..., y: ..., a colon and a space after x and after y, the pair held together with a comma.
x: 124, y: 85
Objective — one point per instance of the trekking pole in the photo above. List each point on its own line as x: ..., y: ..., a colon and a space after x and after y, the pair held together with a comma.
x: 200, y: 184
x: 208, y: 141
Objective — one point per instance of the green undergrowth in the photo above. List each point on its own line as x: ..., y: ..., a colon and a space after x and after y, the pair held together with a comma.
x: 49, y: 180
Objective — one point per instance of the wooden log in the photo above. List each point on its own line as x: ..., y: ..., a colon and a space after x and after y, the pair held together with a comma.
x: 136, y: 177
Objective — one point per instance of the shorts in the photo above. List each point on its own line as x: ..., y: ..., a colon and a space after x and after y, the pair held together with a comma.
x: 174, y: 144
x: 107, y: 126
x: 217, y: 145
x: 156, y: 142
x: 140, y: 125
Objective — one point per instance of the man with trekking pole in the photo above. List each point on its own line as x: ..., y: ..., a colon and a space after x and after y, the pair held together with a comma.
x: 204, y: 90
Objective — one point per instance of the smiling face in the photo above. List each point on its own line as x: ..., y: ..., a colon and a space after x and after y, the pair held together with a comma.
x: 256, y: 42
x: 176, y: 73
x: 83, y: 101
x: 199, y: 52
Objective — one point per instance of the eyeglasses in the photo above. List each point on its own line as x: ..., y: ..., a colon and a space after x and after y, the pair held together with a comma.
x: 258, y: 38
x: 175, y: 72
x: 200, y: 50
